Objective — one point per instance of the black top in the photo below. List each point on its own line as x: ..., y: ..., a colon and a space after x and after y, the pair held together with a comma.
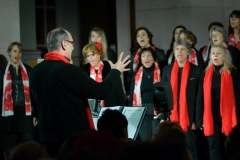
x: 17, y: 87
x: 179, y: 84
x: 216, y: 88
x: 146, y: 85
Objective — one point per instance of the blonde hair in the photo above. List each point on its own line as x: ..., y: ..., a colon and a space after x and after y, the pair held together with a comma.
x: 91, y: 47
x: 101, y: 32
x: 227, y: 62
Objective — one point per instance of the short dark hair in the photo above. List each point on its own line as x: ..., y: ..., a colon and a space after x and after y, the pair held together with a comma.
x: 55, y: 37
x: 10, y: 47
x: 153, y: 53
x: 215, y: 24
x: 114, y: 121
x: 150, y: 35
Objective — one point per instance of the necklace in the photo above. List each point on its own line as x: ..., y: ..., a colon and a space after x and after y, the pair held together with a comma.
x: 148, y: 74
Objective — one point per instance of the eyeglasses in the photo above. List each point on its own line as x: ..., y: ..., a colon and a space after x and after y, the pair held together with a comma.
x: 233, y: 18
x: 90, y: 55
x: 72, y: 42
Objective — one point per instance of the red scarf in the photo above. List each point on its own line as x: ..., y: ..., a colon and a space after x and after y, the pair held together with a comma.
x: 227, y: 103
x: 57, y: 56
x: 7, y: 106
x: 232, y: 41
x: 97, y: 77
x: 193, y: 57
x: 137, y: 100
x: 183, y: 119
x: 136, y: 57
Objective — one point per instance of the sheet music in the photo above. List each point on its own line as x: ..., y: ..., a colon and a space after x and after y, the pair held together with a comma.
x: 133, y: 115
x: 95, y: 119
x: 105, y: 108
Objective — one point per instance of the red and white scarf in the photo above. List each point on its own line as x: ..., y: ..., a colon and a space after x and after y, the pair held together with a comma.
x: 170, y: 58
x: 136, y: 58
x: 97, y: 77
x: 227, y: 103
x: 57, y: 56
x: 7, y: 106
x: 205, y: 52
x: 193, y: 57
x: 232, y: 41
x: 137, y: 99
x: 180, y: 113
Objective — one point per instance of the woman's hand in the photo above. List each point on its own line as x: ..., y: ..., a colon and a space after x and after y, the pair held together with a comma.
x: 194, y: 126
x: 120, y: 64
x: 35, y: 122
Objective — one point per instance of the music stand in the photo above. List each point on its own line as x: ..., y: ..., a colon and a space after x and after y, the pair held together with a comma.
x: 163, y: 98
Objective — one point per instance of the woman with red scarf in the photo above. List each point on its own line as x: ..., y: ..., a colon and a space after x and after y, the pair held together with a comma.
x: 148, y: 73
x: 184, y: 77
x: 217, y: 100
x: 143, y: 39
x: 98, y: 69
x: 17, y: 105
x: 195, y: 57
x: 234, y: 29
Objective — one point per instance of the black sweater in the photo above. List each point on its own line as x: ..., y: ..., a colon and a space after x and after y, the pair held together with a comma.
x: 61, y: 92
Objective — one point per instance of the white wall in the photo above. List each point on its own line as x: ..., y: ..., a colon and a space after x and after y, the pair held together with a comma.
x: 123, y: 27
x: 9, y: 24
x: 28, y: 24
x: 68, y: 18
x: 162, y: 16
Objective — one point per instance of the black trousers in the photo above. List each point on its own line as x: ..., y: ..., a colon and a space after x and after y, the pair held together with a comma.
x: 216, y: 143
x: 191, y: 143
x: 149, y: 124
x: 11, y: 140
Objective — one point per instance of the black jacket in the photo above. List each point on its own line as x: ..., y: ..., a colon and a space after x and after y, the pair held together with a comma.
x: 117, y: 97
x: 61, y: 92
x: 200, y: 100
x: 192, y: 86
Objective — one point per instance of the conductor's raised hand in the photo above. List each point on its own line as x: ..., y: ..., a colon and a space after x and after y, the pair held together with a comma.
x: 121, y: 64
